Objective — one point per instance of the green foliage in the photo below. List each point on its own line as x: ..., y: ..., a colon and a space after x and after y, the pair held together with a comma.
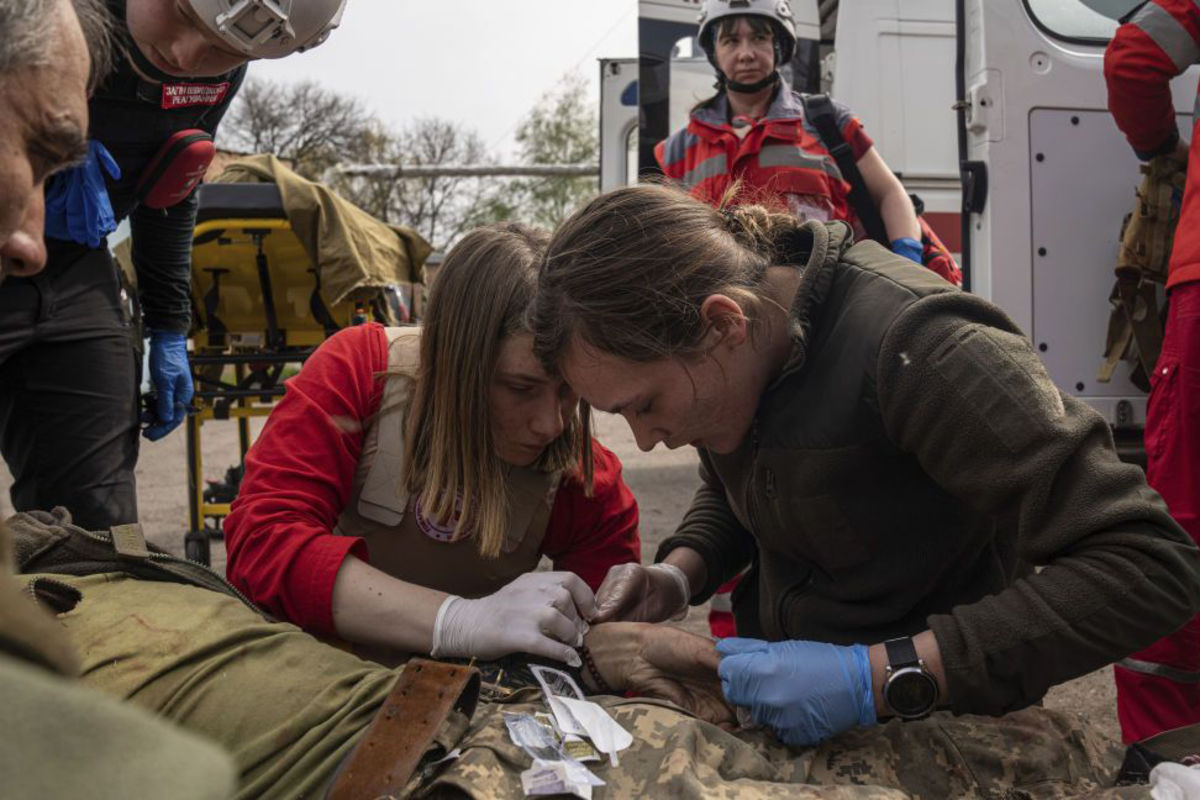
x: 562, y: 128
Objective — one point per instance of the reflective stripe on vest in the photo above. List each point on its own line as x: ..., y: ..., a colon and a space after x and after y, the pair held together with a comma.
x: 708, y: 168
x: 1169, y: 34
x: 789, y: 155
x: 677, y: 146
x: 1159, y: 670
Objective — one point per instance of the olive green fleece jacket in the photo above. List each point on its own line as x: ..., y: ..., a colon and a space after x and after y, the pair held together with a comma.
x: 907, y: 469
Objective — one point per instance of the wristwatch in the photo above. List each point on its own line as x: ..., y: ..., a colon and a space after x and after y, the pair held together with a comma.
x: 909, y: 690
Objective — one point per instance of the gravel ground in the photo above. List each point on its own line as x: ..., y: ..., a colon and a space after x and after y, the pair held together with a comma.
x: 663, y: 481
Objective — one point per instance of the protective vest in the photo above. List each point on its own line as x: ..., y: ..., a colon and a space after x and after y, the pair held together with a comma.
x: 780, y: 160
x: 402, y: 541
x: 785, y: 161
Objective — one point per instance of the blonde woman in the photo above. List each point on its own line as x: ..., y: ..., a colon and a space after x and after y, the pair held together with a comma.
x: 404, y: 490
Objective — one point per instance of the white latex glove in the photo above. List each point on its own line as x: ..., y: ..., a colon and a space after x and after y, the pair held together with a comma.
x: 633, y: 593
x: 541, y: 613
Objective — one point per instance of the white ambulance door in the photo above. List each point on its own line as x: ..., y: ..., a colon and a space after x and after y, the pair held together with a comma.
x: 894, y: 68
x: 1059, y: 179
x: 618, y: 122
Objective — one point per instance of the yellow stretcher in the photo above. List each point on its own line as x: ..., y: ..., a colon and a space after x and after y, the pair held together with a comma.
x: 259, y: 314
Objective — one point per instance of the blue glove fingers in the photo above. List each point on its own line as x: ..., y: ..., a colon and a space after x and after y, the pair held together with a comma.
x: 97, y: 149
x: 172, y: 382
x: 909, y: 248
x: 735, y: 645
x: 77, y: 205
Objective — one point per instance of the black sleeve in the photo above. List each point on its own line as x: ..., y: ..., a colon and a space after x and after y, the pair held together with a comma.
x: 162, y: 245
x: 162, y: 257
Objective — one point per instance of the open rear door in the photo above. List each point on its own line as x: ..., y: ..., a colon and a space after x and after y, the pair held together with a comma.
x: 1050, y: 180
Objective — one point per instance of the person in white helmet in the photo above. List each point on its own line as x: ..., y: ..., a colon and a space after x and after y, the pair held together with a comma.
x: 69, y: 345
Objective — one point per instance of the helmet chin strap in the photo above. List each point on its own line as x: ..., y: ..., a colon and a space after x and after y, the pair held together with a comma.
x: 747, y: 88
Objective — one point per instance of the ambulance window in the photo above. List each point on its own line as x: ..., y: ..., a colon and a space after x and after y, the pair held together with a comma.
x: 1085, y: 21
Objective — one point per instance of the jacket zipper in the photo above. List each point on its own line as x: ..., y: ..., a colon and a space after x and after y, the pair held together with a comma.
x: 167, y: 558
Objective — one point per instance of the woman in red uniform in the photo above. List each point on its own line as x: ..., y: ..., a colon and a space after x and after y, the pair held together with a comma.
x: 756, y: 137
x: 405, y: 488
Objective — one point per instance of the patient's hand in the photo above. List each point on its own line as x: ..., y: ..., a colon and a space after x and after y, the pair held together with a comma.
x: 661, y: 662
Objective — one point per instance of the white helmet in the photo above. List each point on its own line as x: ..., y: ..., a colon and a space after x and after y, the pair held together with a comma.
x: 270, y: 28
x: 778, y: 12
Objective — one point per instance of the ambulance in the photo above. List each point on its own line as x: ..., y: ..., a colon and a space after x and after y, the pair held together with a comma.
x: 993, y: 112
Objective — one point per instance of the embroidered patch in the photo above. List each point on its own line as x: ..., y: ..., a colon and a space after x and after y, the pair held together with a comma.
x: 436, y: 530
x: 185, y: 95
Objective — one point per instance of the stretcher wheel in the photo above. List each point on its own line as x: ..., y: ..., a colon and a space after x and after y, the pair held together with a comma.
x: 196, y: 547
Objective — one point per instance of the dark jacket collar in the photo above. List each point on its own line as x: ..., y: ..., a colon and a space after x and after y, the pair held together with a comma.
x: 824, y: 243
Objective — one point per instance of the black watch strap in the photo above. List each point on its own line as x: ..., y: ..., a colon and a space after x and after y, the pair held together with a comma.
x: 901, y: 652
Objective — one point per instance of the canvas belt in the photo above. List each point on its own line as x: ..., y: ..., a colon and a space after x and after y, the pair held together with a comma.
x: 404, y: 728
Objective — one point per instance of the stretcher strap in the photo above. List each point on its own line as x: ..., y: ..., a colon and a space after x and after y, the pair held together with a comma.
x: 404, y: 728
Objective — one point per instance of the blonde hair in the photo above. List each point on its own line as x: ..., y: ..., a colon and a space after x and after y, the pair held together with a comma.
x: 629, y: 272
x: 481, y: 295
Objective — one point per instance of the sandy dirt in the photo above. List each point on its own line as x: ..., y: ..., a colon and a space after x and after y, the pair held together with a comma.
x: 663, y: 481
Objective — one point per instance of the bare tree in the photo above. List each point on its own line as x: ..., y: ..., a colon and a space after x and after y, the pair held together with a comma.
x: 440, y: 208
x: 309, y: 124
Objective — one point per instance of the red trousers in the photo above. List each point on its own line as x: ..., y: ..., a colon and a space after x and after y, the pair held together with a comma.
x: 1148, y: 703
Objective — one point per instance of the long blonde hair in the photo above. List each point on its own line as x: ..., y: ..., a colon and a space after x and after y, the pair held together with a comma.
x: 479, y: 298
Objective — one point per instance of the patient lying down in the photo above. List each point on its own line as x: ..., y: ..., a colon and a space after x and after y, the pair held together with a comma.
x: 290, y: 708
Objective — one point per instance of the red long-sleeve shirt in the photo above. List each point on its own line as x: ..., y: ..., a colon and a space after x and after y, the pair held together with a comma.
x: 300, y: 474
x: 1160, y: 42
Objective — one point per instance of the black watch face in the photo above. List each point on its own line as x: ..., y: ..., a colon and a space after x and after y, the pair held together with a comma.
x: 911, y: 693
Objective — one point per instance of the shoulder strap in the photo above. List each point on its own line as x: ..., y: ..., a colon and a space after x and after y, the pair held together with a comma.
x: 819, y: 110
x: 383, y: 498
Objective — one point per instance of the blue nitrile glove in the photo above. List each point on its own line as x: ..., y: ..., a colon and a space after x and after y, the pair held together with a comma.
x: 805, y: 691
x: 77, y: 204
x: 909, y: 248
x: 172, y: 382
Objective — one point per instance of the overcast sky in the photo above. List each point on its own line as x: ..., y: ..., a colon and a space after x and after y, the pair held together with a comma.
x: 483, y: 63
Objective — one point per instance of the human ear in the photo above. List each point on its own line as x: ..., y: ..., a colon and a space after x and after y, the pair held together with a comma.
x: 724, y: 319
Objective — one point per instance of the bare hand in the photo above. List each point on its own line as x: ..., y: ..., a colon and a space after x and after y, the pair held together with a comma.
x: 661, y: 662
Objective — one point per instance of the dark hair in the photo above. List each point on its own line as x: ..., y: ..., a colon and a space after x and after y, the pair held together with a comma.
x: 629, y: 272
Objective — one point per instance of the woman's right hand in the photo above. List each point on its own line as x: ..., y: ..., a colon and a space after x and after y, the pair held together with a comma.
x: 541, y: 613
x: 634, y: 593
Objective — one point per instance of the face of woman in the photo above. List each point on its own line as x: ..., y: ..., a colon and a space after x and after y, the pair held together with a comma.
x: 173, y: 39
x: 530, y: 408
x: 708, y: 401
x: 743, y: 55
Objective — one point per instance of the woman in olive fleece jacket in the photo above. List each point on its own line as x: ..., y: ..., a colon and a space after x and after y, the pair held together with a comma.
x: 885, y: 453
